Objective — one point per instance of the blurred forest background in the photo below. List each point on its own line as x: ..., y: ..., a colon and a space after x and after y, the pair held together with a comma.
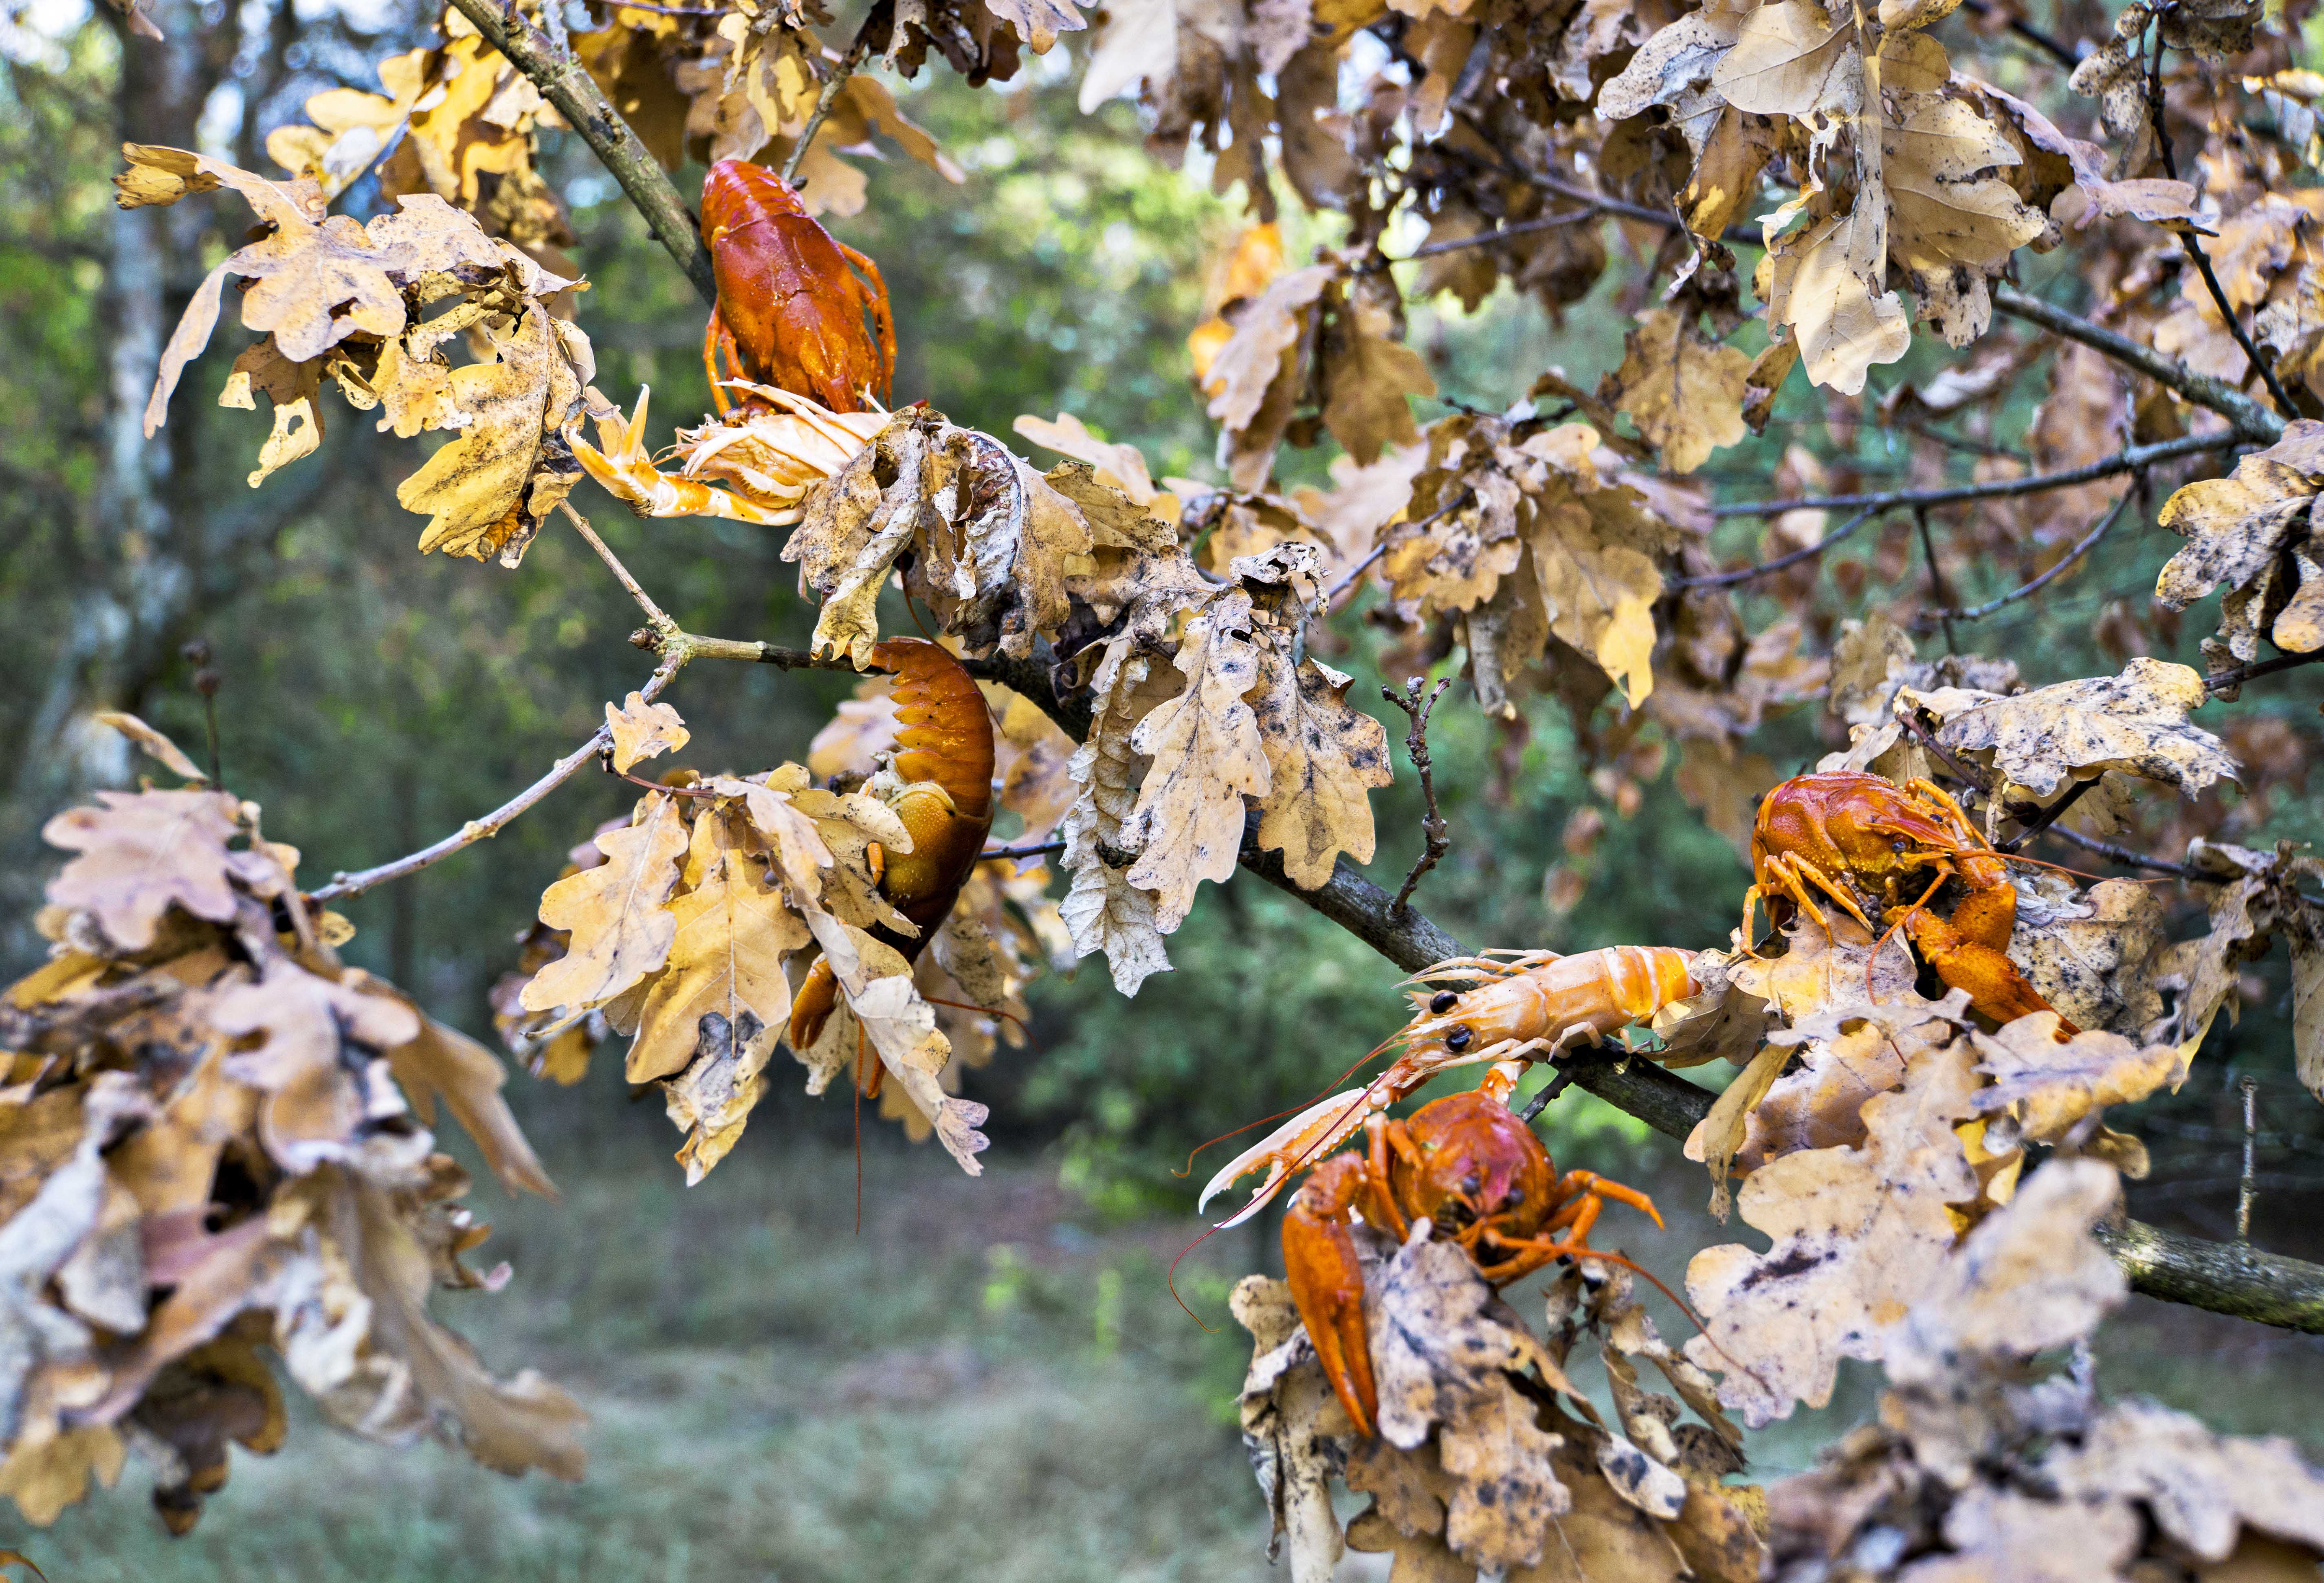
x: 990, y: 1379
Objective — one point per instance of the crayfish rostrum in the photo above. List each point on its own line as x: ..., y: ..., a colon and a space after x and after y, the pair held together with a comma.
x: 1875, y: 847
x: 790, y: 309
x: 1464, y: 1162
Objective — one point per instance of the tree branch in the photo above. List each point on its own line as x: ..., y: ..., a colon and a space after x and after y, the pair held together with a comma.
x: 1436, y: 840
x: 564, y: 84
x: 2065, y: 562
x: 882, y: 15
x: 2121, y: 462
x: 344, y: 885
x: 1761, y: 569
x: 2252, y: 421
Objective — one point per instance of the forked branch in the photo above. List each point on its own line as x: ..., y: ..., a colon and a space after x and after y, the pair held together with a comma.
x: 1436, y: 838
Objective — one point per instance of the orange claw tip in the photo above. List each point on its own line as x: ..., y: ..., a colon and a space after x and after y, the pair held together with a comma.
x: 1302, y: 1141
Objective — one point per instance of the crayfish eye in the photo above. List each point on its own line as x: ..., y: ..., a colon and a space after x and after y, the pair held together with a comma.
x: 1897, y: 847
x: 1442, y: 1001
x: 1458, y: 1039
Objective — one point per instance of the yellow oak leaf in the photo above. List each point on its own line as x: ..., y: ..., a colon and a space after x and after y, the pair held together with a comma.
x: 617, y: 912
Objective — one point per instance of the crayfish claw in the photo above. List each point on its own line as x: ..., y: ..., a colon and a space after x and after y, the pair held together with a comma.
x: 1297, y: 1143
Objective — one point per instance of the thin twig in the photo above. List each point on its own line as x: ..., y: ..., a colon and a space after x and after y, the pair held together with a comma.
x: 1745, y: 236
x: 881, y: 15
x: 1437, y: 839
x: 2025, y: 30
x: 1959, y: 441
x: 344, y: 885
x: 2124, y: 461
x: 1353, y: 575
x: 654, y: 612
x: 2123, y: 855
x: 2222, y: 681
x: 1373, y: 266
x: 2049, y: 815
x: 2193, y: 247
x: 2251, y: 419
x: 2248, y: 1190
x: 668, y: 640
x: 1936, y: 578
x: 1348, y: 579
x: 1038, y: 848
x: 2088, y: 541
x: 1745, y: 573
x: 564, y: 84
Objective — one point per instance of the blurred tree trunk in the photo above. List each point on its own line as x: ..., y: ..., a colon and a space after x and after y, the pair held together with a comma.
x: 138, y: 544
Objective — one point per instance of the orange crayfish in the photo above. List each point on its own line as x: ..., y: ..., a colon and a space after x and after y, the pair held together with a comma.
x: 1869, y: 844
x: 790, y: 309
x: 940, y: 784
x: 1464, y: 1162
x: 1518, y: 1007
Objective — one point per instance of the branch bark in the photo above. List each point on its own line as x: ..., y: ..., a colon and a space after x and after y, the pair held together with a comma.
x: 564, y: 84
x: 2121, y: 462
x: 2252, y: 421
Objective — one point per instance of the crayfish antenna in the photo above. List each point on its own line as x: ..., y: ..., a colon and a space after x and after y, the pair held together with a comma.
x: 1297, y: 1143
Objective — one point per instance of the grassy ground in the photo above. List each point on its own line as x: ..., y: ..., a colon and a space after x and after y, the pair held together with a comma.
x: 986, y: 1383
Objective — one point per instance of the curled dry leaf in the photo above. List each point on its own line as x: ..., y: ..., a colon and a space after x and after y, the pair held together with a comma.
x: 2135, y: 723
x: 2051, y: 1087
x: 2252, y: 533
x: 643, y: 730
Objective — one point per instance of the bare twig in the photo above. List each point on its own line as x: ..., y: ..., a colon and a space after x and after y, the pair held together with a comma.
x: 2248, y: 1192
x: 882, y: 15
x: 344, y: 885
x: 2050, y: 815
x: 2125, y: 461
x: 1745, y: 573
x: 1373, y: 266
x: 1936, y: 578
x: 1437, y: 839
x: 2088, y: 542
x: 654, y: 612
x: 2221, y: 681
x: 564, y: 84
x: 1039, y: 849
x: 668, y: 640
x: 2193, y: 247
x: 1959, y: 441
x: 2123, y: 854
x: 2251, y: 420
x: 2049, y: 46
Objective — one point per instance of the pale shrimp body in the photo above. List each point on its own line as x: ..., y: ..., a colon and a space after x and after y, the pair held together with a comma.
x: 1519, y: 1006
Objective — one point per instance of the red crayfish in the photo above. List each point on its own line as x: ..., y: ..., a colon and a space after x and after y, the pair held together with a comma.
x: 790, y: 309
x: 1463, y: 1162
x: 1870, y: 845
x: 1519, y: 1006
x: 940, y: 784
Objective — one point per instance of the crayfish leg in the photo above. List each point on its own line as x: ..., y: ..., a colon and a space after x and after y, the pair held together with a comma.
x: 883, y: 319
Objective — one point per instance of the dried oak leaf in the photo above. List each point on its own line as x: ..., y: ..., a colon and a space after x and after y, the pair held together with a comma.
x: 2200, y: 1486
x: 616, y: 912
x: 1103, y: 909
x: 711, y: 1100
x: 2051, y: 1089
x: 2029, y: 1277
x: 154, y: 743
x: 487, y: 491
x: 144, y: 852
x: 1254, y: 380
x: 1207, y: 755
x: 1368, y: 378
x: 1685, y: 394
x: 2090, y: 955
x: 643, y: 730
x: 315, y: 1038
x: 2248, y: 532
x: 1323, y: 756
x: 1441, y: 1359
x: 1996, y: 1534
x: 1292, y: 1427
x: 2135, y: 723
x: 1857, y: 1232
x: 725, y: 956
x: 445, y: 1061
